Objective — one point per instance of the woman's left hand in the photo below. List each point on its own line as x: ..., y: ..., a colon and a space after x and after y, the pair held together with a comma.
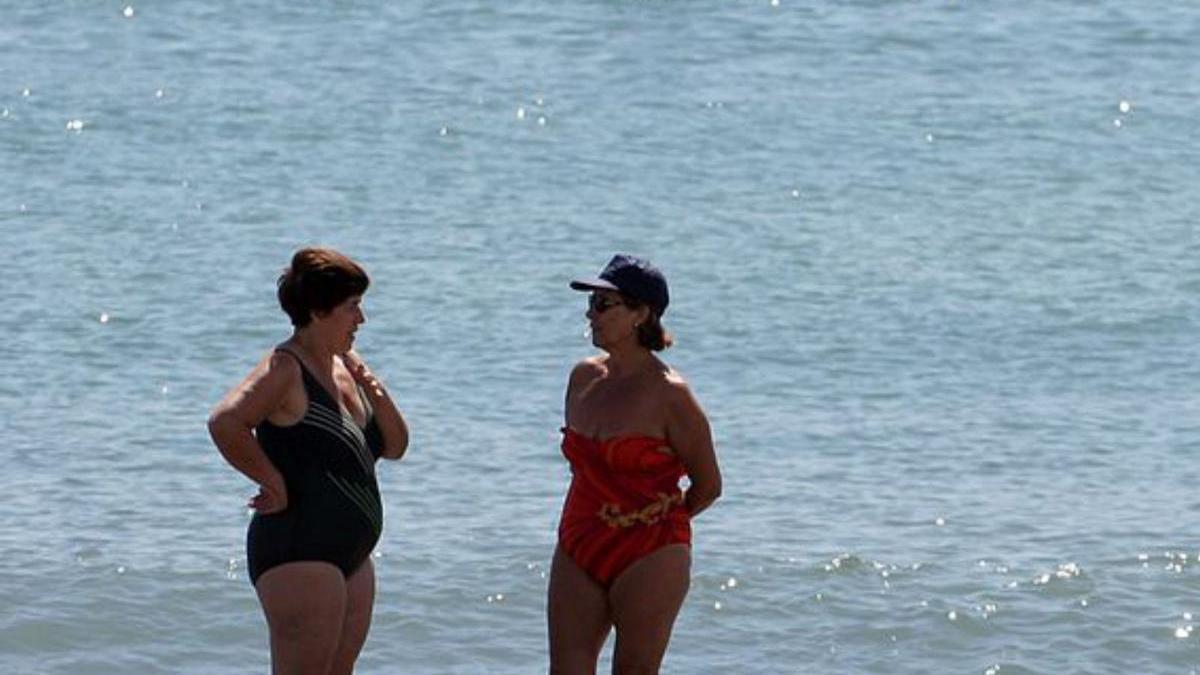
x: 362, y: 374
x: 391, y: 422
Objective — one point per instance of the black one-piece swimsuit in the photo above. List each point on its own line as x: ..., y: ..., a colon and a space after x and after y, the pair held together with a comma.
x: 334, y: 513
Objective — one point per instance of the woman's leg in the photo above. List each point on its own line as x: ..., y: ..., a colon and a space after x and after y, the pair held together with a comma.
x: 645, y: 601
x: 305, y: 603
x: 360, y: 600
x: 577, y: 618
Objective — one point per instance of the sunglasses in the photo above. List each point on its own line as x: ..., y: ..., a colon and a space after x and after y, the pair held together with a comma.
x: 600, y: 304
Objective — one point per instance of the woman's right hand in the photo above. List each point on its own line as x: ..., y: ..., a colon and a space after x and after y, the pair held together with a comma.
x: 271, y: 498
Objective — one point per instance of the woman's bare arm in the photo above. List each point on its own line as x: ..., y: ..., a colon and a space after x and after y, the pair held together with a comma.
x: 232, y: 423
x: 690, y: 437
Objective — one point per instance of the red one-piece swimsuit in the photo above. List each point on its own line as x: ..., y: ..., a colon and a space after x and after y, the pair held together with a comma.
x: 624, y: 502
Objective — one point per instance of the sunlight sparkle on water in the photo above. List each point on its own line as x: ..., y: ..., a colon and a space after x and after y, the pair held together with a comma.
x: 128, y: 11
x: 1064, y: 571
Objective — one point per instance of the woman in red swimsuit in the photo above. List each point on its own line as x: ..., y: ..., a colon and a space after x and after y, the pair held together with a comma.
x: 633, y: 429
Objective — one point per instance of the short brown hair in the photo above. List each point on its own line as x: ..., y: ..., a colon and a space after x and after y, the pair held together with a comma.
x: 318, y: 280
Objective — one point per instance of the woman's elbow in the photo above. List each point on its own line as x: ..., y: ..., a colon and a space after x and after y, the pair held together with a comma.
x: 706, y: 493
x: 711, y: 483
x: 216, y: 422
x: 224, y: 427
x: 713, y: 493
x: 395, y: 451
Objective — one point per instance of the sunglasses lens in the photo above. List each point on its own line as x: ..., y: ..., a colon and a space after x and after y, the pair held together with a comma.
x: 600, y: 305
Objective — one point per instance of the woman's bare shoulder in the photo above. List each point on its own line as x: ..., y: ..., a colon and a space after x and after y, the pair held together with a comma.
x: 280, y: 364
x: 589, y: 368
x: 676, y: 392
x: 671, y: 379
x: 263, y: 390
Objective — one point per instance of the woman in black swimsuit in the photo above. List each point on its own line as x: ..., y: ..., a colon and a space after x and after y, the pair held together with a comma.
x: 307, y: 426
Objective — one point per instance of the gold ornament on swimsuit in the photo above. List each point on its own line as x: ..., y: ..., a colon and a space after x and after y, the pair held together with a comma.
x: 647, y: 515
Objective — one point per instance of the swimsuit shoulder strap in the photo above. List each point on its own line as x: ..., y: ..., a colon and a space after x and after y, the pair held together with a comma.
x: 292, y: 353
x: 311, y: 385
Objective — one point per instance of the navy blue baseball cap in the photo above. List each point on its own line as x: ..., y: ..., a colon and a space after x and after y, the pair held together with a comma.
x: 631, y: 276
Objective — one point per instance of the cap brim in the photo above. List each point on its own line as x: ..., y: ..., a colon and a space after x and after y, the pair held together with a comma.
x: 593, y: 285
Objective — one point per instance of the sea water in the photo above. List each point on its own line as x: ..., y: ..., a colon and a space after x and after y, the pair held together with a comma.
x: 934, y: 279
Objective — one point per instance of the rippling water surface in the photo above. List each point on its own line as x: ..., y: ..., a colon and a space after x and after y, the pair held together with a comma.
x: 934, y: 278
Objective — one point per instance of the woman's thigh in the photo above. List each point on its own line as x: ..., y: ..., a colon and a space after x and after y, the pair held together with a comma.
x: 305, y: 604
x: 645, y: 600
x: 360, y: 602
x: 577, y: 617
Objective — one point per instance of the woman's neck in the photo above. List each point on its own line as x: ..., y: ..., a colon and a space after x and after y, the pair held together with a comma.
x: 316, y: 349
x: 627, y: 360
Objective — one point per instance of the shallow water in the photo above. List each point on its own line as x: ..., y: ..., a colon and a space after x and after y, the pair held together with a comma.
x: 933, y: 277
